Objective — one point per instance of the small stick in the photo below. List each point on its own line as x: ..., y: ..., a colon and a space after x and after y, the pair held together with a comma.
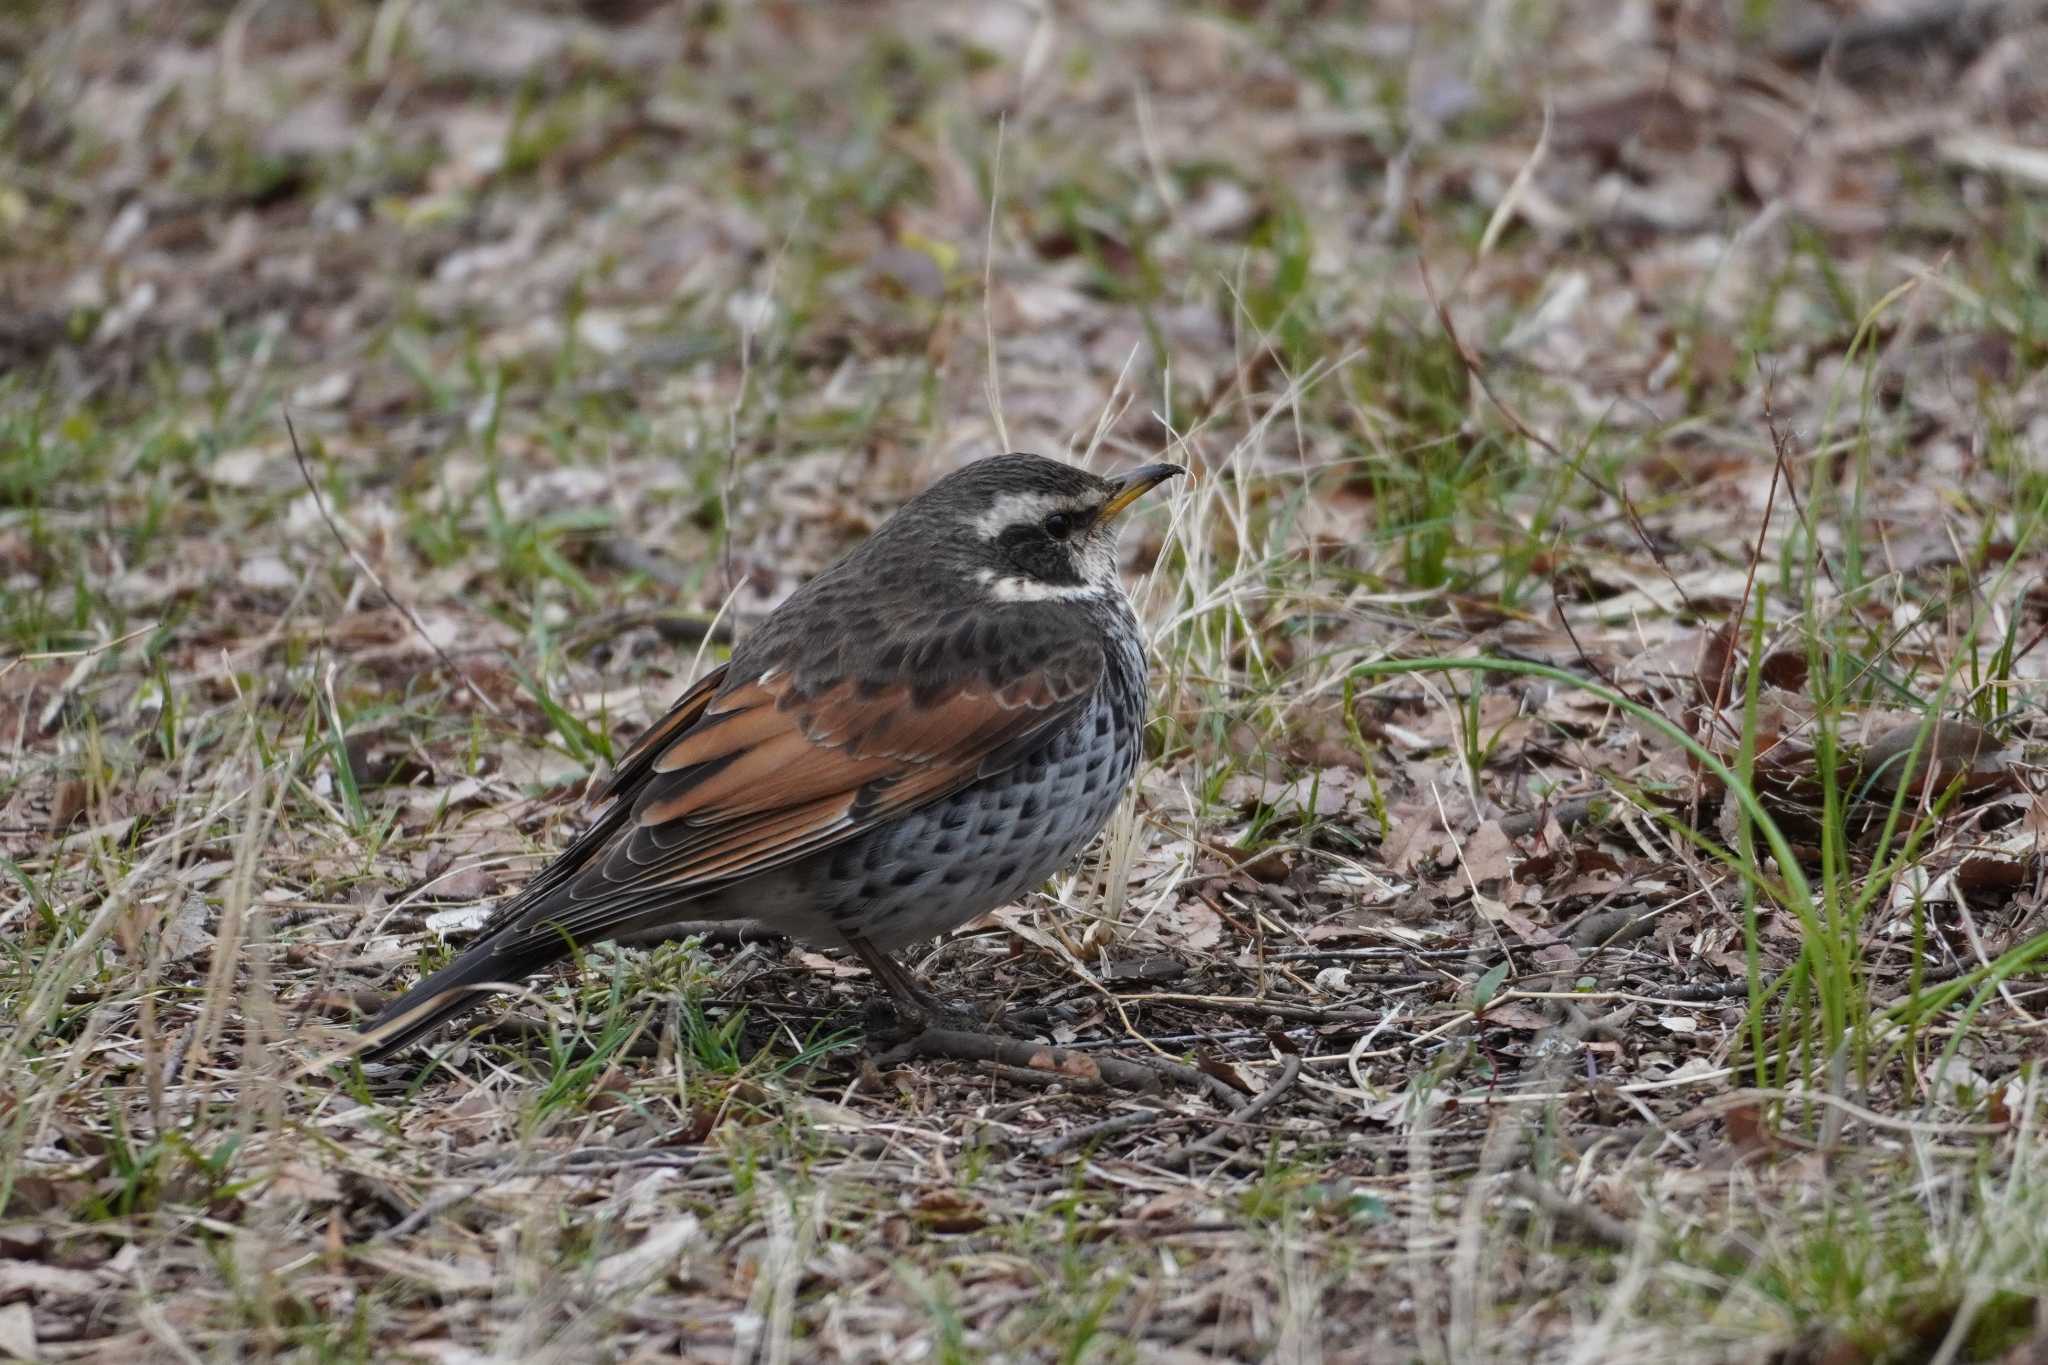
x: 1108, y: 1128
x: 1702, y: 993
x: 1601, y: 1226
x: 411, y: 617
x: 960, y: 1045
x: 1024, y: 1075
x: 1180, y: 1157
x: 1253, y: 1007
x: 432, y: 1209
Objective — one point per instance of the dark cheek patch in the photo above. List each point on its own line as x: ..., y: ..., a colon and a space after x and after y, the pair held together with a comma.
x: 1046, y: 561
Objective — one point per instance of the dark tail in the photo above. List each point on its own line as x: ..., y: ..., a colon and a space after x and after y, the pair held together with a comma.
x: 460, y: 985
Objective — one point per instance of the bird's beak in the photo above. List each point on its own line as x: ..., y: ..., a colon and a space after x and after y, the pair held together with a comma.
x: 1135, y: 485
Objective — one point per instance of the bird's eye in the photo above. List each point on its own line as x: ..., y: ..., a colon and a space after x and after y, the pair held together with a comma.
x: 1058, y: 525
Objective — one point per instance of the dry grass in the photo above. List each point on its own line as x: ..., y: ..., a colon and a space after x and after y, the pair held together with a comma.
x: 1534, y: 854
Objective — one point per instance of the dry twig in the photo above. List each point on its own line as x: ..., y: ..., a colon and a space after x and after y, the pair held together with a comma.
x: 958, y: 1045
x: 1601, y: 1226
x: 1182, y: 1157
x: 411, y: 617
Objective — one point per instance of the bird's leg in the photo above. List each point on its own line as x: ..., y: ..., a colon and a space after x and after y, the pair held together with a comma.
x: 912, y: 997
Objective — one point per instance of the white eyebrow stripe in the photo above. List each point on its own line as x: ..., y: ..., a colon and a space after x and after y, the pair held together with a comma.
x: 1018, y: 588
x: 1013, y: 508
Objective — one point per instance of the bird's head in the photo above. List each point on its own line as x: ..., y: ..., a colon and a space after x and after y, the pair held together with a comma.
x: 1029, y: 529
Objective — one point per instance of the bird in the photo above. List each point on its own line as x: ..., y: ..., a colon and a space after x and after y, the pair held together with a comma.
x: 928, y: 729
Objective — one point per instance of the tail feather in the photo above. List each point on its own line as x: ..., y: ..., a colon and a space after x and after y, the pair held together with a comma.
x: 520, y: 937
x: 477, y: 972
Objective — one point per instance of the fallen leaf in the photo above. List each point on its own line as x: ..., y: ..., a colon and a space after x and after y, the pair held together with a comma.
x: 1746, y: 1131
x: 656, y: 1252
x: 1489, y: 854
x: 949, y: 1211
x: 295, y: 1180
x: 453, y: 1276
x: 1191, y: 927
x: 18, y: 1332
x: 34, y: 1279
x: 67, y: 804
x: 839, y: 967
x: 1270, y: 864
x: 1517, y: 1016
x: 1952, y: 749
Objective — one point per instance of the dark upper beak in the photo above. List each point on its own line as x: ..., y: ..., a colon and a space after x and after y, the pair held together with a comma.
x: 1134, y: 485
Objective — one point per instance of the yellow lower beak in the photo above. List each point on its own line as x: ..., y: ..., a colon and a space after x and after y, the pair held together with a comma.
x: 1135, y: 485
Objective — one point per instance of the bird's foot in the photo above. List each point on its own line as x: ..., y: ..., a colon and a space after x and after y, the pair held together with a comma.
x: 1036, y: 1020
x: 914, y: 1005
x: 896, y: 1019
x: 914, y: 1008
x: 899, y: 1020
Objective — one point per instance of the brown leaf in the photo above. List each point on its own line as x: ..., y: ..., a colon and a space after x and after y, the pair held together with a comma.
x: 1213, y: 1066
x: 41, y: 1193
x: 1416, y: 834
x: 1994, y: 872
x: 1716, y: 666
x: 1489, y: 854
x: 829, y: 966
x: 1746, y: 1130
x: 1270, y: 865
x: 949, y: 1211
x: 1516, y: 1015
x: 1786, y: 668
x: 1527, y: 929
x: 1996, y: 1110
x: 1953, y: 749
x: 1191, y: 927
x: 67, y: 803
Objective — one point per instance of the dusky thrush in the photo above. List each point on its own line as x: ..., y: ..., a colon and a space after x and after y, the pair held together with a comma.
x: 924, y: 731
